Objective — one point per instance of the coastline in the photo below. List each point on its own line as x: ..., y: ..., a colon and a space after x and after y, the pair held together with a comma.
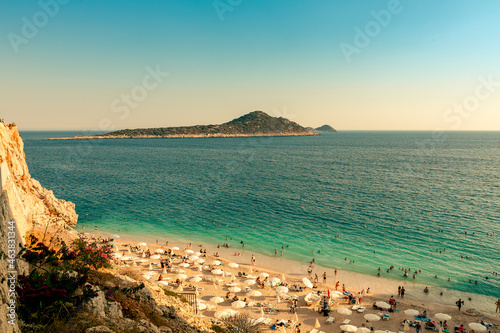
x: 380, y: 287
x: 180, y: 136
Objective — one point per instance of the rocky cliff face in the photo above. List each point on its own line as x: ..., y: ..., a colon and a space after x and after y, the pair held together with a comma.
x: 24, y: 203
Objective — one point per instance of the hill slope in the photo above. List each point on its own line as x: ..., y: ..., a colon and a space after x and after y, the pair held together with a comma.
x: 325, y: 128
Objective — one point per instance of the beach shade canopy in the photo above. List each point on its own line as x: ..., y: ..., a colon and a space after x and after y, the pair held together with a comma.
x: 238, y: 304
x: 263, y: 275
x: 181, y: 276
x: 344, y: 311
x: 281, y: 290
x: 234, y: 289
x: 275, y: 280
x: 195, y: 279
x: 160, y: 251
x: 184, y: 264
x: 316, y: 324
x: 179, y: 271
x: 189, y: 251
x: 477, y: 327
x: 217, y: 272
x: 307, y: 283
x: 215, y: 263
x: 348, y: 328
x: 143, y: 244
x: 363, y: 330
x: 254, y: 293
x: 155, y: 257
x: 175, y: 248
x: 249, y: 282
x: 225, y: 314
x: 193, y: 258
x: 233, y: 265
x: 115, y: 236
x: 165, y: 283
x: 442, y: 316
x: 412, y: 312
x: 216, y: 299
x: 372, y: 317
x: 383, y: 305
x: 199, y: 261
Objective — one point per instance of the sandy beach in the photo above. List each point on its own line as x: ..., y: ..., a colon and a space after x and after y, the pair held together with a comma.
x: 478, y: 308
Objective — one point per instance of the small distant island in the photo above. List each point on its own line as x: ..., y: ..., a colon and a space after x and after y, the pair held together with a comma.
x: 256, y: 123
x: 324, y: 128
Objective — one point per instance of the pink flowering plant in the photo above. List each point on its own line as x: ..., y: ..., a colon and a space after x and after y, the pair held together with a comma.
x: 55, y: 276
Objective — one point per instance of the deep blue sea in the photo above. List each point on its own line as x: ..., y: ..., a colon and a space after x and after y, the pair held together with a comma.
x: 411, y: 196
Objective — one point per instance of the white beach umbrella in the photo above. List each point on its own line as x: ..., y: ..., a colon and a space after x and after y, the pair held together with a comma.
x: 199, y: 261
x: 263, y: 275
x: 249, y: 282
x: 160, y: 251
x: 179, y: 271
x: 222, y: 314
x: 155, y: 257
x: 412, y: 312
x: 307, y: 283
x: 215, y: 263
x: 128, y: 258
x: 363, y: 330
x: 217, y: 272
x: 234, y: 289
x: 281, y: 290
x: 238, y: 304
x: 142, y: 244
x: 383, y: 305
x: 175, y: 248
x: 195, y: 279
x: 193, y: 258
x: 344, y: 311
x: 348, y: 328
x: 115, y: 236
x: 442, y: 316
x: 165, y: 283
x: 233, y: 265
x: 201, y: 306
x: 372, y: 317
x: 254, y: 293
x: 477, y: 327
x: 181, y: 276
x: 184, y: 264
x: 189, y: 251
x: 117, y: 254
x: 216, y: 299
x: 275, y: 280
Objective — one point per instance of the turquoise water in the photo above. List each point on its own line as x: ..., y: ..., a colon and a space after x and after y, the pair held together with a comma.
x: 386, y: 191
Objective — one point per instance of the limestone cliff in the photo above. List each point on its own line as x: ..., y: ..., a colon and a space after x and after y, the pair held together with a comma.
x: 24, y: 203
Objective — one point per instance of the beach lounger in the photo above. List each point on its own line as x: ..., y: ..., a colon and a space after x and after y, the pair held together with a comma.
x: 386, y: 317
x: 313, y: 331
x: 346, y: 322
x: 330, y: 320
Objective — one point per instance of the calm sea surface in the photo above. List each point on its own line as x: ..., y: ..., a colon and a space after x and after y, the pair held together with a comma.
x: 422, y: 201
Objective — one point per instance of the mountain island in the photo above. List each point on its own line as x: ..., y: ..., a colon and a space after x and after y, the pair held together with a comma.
x: 256, y: 123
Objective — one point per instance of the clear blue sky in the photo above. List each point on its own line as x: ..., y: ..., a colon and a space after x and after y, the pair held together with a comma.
x: 423, y: 68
